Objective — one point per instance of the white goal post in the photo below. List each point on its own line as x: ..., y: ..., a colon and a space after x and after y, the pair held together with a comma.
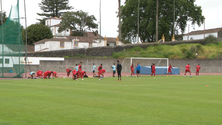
x: 157, y: 61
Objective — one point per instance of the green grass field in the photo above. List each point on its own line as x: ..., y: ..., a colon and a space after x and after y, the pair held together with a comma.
x: 162, y: 100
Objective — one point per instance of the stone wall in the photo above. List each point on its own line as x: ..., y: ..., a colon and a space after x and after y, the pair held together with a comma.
x: 101, y: 51
x: 207, y: 66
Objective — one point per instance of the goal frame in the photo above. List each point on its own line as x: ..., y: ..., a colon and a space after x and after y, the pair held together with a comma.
x: 131, y: 60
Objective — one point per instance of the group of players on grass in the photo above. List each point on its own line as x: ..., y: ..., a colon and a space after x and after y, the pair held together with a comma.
x: 79, y: 73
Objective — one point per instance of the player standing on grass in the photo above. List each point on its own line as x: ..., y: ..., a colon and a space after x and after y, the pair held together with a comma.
x: 114, y: 69
x: 100, y: 71
x: 68, y: 72
x: 138, y: 70
x: 94, y: 70
x: 132, y: 69
x: 79, y: 69
x: 197, y: 69
x: 187, y: 70
x: 119, y: 69
x: 169, y: 70
x: 153, y: 71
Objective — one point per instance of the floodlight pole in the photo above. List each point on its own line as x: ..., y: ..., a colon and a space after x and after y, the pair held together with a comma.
x: 138, y: 21
x: 25, y: 40
x: 100, y: 22
x: 157, y: 8
x: 2, y: 42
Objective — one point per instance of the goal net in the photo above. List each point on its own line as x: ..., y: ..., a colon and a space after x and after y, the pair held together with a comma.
x: 160, y: 63
x: 11, y: 45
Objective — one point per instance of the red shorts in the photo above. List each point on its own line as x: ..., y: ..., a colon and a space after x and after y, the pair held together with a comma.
x: 153, y: 71
x: 169, y: 71
x: 132, y: 70
x: 197, y: 70
x: 187, y: 70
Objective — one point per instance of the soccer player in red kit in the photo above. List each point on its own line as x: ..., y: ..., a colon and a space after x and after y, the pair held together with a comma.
x: 79, y: 69
x: 187, y: 70
x: 68, y: 72
x: 54, y: 74
x: 153, y: 71
x: 39, y: 73
x: 74, y: 74
x: 82, y: 73
x: 132, y: 69
x: 103, y: 71
x: 169, y: 70
x: 197, y: 69
x: 47, y: 74
x: 100, y: 70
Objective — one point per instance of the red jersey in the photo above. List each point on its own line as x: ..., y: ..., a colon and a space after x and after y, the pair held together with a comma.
x: 132, y: 67
x: 39, y: 72
x: 103, y: 70
x: 187, y: 67
x: 198, y: 67
x: 170, y: 67
x: 46, y: 73
x: 74, y: 72
x: 68, y: 70
x: 79, y: 68
x: 100, y: 68
x: 55, y: 73
x: 153, y: 67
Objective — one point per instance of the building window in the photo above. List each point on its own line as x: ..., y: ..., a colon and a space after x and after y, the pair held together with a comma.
x: 62, y: 44
x: 90, y: 45
x: 6, y: 61
x: 75, y: 43
x: 1, y: 61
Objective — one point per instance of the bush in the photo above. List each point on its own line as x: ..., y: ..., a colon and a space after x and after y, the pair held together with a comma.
x: 193, y: 49
x: 189, y: 55
x: 210, y: 39
x: 136, y: 49
x: 183, y: 50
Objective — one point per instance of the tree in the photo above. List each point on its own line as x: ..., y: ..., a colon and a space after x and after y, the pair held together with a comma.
x: 37, y: 32
x: 185, y: 11
x: 79, y: 22
x: 4, y: 18
x: 53, y: 8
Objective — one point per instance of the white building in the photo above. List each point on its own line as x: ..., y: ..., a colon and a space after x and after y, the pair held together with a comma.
x: 201, y: 34
x: 53, y: 23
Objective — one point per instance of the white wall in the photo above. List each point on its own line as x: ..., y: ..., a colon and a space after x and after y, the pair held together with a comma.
x: 200, y: 36
x: 36, y: 60
x: 12, y: 61
x: 52, y: 22
x: 55, y: 32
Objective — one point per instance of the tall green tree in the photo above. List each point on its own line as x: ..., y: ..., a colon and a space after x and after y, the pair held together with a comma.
x: 4, y: 17
x: 53, y: 8
x: 37, y: 32
x: 79, y: 22
x: 185, y: 10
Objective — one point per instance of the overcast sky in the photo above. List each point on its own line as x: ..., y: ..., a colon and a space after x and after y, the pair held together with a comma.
x: 211, y: 10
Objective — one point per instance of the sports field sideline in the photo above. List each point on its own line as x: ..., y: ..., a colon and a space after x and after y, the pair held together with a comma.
x: 133, y: 101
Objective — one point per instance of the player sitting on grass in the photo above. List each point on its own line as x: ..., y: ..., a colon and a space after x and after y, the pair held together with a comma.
x: 39, y: 73
x: 100, y: 71
x: 74, y: 74
x: 54, y: 74
x: 68, y: 72
x: 132, y: 69
x: 197, y: 69
x: 114, y: 69
x: 187, y: 70
x: 153, y: 71
x: 47, y: 74
x: 169, y: 70
x: 32, y: 75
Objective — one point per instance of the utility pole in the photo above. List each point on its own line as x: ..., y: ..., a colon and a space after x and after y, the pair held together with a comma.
x: 157, y: 6
x: 2, y: 41
x: 138, y: 21
x: 100, y: 15
x: 120, y: 20
x: 25, y: 40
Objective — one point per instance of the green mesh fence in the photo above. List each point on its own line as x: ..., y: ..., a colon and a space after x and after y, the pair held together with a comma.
x: 11, y: 46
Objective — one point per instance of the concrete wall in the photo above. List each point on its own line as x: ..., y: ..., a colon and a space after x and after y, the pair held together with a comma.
x: 207, y: 66
x: 102, y: 51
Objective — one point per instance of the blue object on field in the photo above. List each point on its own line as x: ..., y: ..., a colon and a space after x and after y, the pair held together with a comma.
x: 10, y: 71
x: 146, y: 70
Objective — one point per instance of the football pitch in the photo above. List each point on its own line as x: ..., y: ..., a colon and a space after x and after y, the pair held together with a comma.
x: 162, y: 100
